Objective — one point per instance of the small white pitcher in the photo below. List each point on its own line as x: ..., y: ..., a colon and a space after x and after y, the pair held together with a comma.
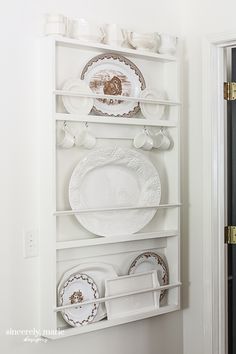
x: 113, y: 34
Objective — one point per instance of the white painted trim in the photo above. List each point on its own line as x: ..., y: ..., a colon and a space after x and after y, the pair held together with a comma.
x: 214, y: 74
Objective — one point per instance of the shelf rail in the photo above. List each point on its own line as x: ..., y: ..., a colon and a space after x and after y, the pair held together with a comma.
x: 113, y: 297
x: 118, y: 97
x: 95, y: 210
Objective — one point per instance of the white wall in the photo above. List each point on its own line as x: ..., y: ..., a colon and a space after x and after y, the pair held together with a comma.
x: 20, y: 25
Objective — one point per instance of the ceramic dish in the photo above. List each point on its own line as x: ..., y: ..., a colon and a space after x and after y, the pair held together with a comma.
x: 99, y: 272
x: 77, y: 289
x: 77, y: 105
x: 152, y: 111
x: 113, y: 74
x: 113, y: 178
x: 132, y: 304
x: 151, y: 261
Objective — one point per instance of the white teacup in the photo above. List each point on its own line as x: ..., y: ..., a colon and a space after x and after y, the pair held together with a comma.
x: 168, y: 44
x: 65, y: 139
x: 113, y: 34
x: 86, y: 31
x: 161, y: 141
x: 55, y: 24
x: 143, y: 141
x: 85, y: 139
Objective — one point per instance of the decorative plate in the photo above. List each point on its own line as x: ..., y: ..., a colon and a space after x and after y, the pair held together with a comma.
x: 77, y: 289
x: 149, y: 110
x: 113, y: 178
x: 99, y: 272
x: 151, y: 261
x: 113, y: 74
x: 77, y: 105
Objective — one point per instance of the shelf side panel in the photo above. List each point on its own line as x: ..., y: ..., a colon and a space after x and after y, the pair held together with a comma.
x: 47, y: 188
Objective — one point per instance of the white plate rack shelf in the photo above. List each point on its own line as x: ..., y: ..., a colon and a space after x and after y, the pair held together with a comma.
x: 64, y: 243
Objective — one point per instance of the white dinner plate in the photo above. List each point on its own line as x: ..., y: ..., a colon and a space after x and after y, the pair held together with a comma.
x: 113, y: 74
x: 148, y: 261
x: 77, y: 105
x: 152, y: 111
x: 99, y: 272
x: 113, y: 178
x: 77, y: 289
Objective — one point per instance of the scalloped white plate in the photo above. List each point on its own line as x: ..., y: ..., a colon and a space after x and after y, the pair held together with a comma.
x: 110, y: 178
x: 153, y: 111
x: 77, y: 105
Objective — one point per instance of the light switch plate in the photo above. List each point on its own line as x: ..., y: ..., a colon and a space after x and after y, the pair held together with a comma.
x: 30, y: 243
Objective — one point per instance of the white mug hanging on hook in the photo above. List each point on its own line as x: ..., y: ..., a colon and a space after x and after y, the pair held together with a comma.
x: 143, y: 141
x: 65, y: 138
x: 161, y: 140
x: 85, y: 139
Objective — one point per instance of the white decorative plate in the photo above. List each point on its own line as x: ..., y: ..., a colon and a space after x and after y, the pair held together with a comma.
x: 113, y: 178
x: 99, y: 272
x: 152, y: 111
x: 151, y: 261
x: 77, y: 289
x: 77, y: 105
x: 113, y: 74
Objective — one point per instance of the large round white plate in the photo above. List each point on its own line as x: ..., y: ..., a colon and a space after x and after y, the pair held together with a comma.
x: 99, y: 272
x: 113, y: 74
x: 113, y: 178
x: 148, y: 261
x: 77, y: 289
x: 77, y: 105
x: 152, y: 111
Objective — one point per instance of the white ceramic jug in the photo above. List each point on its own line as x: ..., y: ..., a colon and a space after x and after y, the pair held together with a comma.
x: 55, y: 24
x: 113, y: 34
x: 86, y: 31
x: 144, y: 41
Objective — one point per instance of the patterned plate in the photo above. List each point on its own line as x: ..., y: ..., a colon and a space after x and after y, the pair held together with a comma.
x: 77, y: 289
x: 151, y: 261
x: 113, y: 74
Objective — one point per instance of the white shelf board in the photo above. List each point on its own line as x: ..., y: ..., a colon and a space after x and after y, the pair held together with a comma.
x: 60, y: 245
x: 115, y: 322
x: 100, y: 47
x: 115, y: 120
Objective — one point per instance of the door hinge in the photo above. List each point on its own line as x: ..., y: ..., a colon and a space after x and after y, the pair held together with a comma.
x: 230, y: 235
x: 230, y: 91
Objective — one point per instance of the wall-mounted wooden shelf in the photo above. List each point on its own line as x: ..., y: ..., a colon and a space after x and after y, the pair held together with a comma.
x: 61, y: 244
x: 99, y: 47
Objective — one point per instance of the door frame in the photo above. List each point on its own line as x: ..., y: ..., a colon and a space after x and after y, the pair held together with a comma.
x: 214, y: 191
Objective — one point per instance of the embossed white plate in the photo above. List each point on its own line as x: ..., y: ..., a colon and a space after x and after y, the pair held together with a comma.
x: 148, y: 261
x: 99, y: 272
x: 77, y: 289
x: 110, y: 178
x: 113, y: 74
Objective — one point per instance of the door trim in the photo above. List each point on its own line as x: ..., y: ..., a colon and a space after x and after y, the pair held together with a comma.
x: 214, y: 187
